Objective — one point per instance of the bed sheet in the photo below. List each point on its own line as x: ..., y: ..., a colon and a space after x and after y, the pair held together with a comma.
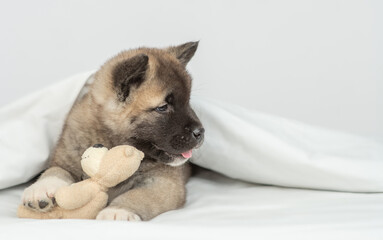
x: 219, y: 207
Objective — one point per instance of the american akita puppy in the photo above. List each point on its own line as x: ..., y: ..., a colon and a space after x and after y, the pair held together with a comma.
x: 139, y: 97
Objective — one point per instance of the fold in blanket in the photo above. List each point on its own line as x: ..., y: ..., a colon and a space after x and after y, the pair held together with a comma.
x: 239, y: 143
x: 266, y: 149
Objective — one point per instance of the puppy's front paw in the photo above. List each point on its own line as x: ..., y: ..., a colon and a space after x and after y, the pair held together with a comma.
x: 40, y: 195
x: 119, y: 214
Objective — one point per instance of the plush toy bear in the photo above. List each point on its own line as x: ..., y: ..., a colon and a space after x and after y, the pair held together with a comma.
x: 87, y: 198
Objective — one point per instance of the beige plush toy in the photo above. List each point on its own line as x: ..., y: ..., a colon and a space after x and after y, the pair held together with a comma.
x: 87, y: 198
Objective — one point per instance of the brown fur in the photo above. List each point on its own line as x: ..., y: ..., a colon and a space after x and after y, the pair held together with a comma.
x: 118, y: 109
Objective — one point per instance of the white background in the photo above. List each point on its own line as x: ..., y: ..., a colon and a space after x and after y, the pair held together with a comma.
x: 320, y: 62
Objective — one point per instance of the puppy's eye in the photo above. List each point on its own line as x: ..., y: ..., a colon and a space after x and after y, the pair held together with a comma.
x: 162, y: 108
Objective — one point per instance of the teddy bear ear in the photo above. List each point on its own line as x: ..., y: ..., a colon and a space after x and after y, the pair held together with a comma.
x: 91, y: 159
x: 131, y: 151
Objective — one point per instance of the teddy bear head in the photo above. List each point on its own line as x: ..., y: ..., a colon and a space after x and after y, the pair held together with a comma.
x: 110, y: 167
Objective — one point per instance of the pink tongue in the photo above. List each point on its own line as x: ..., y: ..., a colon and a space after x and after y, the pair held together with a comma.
x: 187, y: 154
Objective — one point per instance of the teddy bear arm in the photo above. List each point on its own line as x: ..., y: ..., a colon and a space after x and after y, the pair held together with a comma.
x: 77, y: 194
x: 89, y: 210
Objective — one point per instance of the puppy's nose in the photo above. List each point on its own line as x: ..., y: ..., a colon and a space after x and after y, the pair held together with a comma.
x: 198, y: 133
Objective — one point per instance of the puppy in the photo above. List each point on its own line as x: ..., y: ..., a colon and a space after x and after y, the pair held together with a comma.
x: 139, y: 97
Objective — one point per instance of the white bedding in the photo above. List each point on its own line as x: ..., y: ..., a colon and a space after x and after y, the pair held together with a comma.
x: 222, y: 208
x: 239, y: 143
x: 260, y: 148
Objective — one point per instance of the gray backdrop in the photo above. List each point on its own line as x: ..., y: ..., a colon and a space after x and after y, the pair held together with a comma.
x: 320, y: 62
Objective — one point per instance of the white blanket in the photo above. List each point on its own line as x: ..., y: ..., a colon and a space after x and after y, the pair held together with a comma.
x: 241, y: 144
x: 221, y: 208
x: 260, y: 148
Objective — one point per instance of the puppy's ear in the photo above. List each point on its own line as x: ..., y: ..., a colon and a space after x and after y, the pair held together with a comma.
x: 129, y: 73
x: 184, y: 52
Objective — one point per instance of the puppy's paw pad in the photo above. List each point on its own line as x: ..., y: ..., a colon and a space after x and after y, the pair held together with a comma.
x: 117, y: 214
x: 40, y: 195
x: 43, y: 204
